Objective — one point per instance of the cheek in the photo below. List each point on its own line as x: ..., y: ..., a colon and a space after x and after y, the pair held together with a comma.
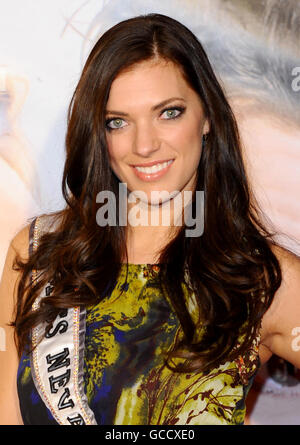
x: 117, y: 148
x: 116, y: 157
x: 188, y: 139
x: 110, y: 148
x: 114, y: 154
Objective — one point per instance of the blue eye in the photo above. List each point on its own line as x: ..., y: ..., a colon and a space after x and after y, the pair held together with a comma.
x: 117, y: 123
x: 171, y: 112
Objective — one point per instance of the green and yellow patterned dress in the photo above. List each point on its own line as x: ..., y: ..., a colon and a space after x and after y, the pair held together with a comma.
x: 125, y: 379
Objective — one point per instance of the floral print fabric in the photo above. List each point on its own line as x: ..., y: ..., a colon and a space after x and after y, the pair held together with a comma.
x: 125, y: 377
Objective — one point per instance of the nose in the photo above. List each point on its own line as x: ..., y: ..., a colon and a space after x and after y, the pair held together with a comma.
x: 145, y: 140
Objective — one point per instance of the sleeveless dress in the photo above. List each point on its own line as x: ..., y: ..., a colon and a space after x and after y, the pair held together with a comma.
x: 123, y: 379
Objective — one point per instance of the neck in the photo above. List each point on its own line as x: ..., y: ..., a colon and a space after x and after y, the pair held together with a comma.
x: 151, y: 226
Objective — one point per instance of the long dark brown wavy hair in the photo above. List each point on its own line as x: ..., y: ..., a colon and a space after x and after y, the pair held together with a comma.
x: 231, y: 267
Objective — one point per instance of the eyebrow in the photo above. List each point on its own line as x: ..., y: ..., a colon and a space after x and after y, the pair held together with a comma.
x: 154, y: 108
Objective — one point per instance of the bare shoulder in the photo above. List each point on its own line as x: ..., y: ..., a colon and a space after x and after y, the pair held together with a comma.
x: 19, y: 245
x: 20, y: 242
x: 281, y: 322
x: 289, y: 289
x: 9, y: 406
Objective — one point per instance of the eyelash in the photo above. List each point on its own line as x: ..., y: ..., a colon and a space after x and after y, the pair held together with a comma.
x: 181, y: 109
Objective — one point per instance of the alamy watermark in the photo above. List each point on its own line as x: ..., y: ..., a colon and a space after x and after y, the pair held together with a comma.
x: 163, y: 208
x: 296, y: 80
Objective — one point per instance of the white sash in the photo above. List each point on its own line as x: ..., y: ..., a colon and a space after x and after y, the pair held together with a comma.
x: 57, y: 362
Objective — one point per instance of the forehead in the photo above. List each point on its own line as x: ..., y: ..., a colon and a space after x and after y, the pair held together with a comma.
x: 149, y: 78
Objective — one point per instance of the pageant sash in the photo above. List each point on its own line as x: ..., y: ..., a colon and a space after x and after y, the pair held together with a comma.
x: 57, y: 361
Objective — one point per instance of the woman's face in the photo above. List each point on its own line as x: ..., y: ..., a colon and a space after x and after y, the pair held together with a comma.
x: 154, y: 117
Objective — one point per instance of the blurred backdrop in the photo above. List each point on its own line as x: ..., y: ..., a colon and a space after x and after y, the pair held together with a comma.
x: 253, y: 46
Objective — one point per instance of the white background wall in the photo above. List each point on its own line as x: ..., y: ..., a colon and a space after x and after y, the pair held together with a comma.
x: 41, y: 46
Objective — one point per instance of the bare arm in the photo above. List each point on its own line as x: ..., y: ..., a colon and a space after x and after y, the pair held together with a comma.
x: 282, y: 320
x: 9, y: 402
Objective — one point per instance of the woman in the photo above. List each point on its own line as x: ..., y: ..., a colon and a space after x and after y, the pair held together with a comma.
x: 143, y: 324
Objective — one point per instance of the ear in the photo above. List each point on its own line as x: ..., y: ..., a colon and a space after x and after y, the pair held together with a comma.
x: 206, y: 127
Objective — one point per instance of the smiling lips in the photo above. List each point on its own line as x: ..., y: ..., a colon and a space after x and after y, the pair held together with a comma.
x: 153, y: 172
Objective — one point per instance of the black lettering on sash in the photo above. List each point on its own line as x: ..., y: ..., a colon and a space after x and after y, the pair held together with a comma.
x: 63, y: 313
x: 61, y: 380
x: 77, y: 419
x: 49, y: 288
x: 62, y: 324
x: 63, y: 403
x: 59, y: 360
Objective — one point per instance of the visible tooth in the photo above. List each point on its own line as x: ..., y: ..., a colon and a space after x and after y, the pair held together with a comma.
x: 154, y: 168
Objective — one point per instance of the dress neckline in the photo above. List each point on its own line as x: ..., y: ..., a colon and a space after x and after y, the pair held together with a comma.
x: 139, y: 266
